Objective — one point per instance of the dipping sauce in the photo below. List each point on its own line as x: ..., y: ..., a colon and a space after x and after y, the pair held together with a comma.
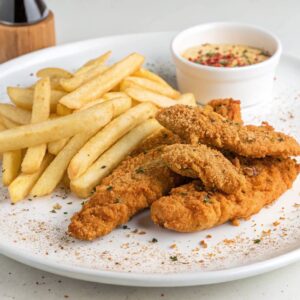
x: 225, y: 55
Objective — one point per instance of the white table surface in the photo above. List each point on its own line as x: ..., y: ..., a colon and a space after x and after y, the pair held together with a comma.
x: 77, y: 20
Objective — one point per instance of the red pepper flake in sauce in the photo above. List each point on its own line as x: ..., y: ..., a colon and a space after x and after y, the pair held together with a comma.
x: 225, y: 55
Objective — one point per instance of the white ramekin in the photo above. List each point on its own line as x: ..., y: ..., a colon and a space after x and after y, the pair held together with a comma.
x: 251, y: 84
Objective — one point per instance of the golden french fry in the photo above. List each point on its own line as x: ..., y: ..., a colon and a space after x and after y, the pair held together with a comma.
x: 119, y: 106
x: 187, y: 99
x: 121, y: 96
x: 56, y: 146
x: 55, y: 129
x: 15, y: 114
x: 144, y: 73
x: 2, y: 127
x: 23, y: 97
x: 40, y: 112
x: 8, y: 123
x: 153, y: 86
x: 23, y: 183
x: 11, y: 163
x: 55, y: 171
x: 93, y: 63
x: 142, y: 95
x: 90, y: 104
x: 83, y: 186
x: 108, y: 136
x: 53, y: 73
x: 113, y: 95
x: 62, y: 110
x: 71, y: 84
x: 103, y: 83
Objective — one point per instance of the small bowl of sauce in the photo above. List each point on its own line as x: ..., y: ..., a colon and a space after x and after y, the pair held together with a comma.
x: 221, y: 60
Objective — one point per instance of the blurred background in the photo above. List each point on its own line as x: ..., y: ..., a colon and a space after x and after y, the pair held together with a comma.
x: 77, y: 19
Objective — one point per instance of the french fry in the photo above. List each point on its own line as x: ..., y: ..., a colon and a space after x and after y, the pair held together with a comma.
x: 83, y: 186
x: 55, y: 129
x: 23, y: 97
x: 40, y: 112
x: 11, y: 160
x: 8, y: 123
x: 103, y: 83
x: 105, y: 138
x: 15, y: 114
x: 120, y: 105
x: 23, y: 183
x: 11, y: 163
x: 153, y: 86
x: 62, y: 110
x: 142, y: 95
x: 90, y: 104
x: 2, y: 127
x: 53, y: 73
x: 93, y: 63
x: 56, y: 146
x: 121, y: 96
x: 144, y: 73
x: 56, y: 169
x: 187, y: 99
x: 113, y: 95
x: 71, y: 84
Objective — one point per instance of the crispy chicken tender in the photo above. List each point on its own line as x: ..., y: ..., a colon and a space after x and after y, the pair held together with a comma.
x: 190, y: 208
x: 200, y: 161
x: 228, y: 108
x: 162, y: 137
x: 133, y: 186
x: 196, y: 125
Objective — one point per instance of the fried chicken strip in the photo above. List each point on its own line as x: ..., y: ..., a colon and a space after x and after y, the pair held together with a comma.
x: 162, y: 137
x: 190, y: 208
x: 200, y: 161
x: 133, y: 186
x: 228, y: 108
x: 196, y: 125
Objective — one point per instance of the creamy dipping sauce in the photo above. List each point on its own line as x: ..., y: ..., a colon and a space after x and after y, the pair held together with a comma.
x: 225, y: 55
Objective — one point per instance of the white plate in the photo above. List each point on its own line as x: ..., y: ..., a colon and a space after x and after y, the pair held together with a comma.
x: 33, y: 235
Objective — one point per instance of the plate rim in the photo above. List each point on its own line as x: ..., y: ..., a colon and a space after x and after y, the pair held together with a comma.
x: 125, y: 278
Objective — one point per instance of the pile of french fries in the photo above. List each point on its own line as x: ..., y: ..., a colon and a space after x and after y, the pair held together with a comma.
x: 75, y: 128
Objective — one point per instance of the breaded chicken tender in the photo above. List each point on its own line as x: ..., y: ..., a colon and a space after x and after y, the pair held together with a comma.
x: 196, y: 125
x: 133, y: 186
x: 228, y: 108
x: 200, y: 161
x: 162, y: 137
x: 189, y: 208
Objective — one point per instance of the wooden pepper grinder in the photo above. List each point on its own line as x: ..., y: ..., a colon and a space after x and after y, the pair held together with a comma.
x: 25, y: 26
